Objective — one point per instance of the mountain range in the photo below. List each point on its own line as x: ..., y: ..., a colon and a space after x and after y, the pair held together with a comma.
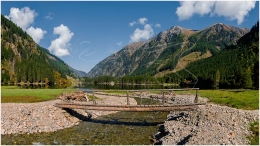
x: 169, y: 51
x: 220, y: 56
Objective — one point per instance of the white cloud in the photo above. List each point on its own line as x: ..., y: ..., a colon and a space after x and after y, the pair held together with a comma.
x: 49, y: 16
x: 188, y: 8
x: 233, y: 10
x: 144, y: 34
x: 59, y: 46
x: 119, y: 43
x: 36, y: 33
x: 23, y: 17
x: 157, y: 25
x: 142, y: 20
x: 132, y: 23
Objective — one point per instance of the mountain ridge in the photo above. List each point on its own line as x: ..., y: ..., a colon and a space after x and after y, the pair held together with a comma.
x: 166, y: 45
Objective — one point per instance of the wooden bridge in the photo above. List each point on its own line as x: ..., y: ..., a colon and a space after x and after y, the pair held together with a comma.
x: 135, y: 108
x: 130, y: 108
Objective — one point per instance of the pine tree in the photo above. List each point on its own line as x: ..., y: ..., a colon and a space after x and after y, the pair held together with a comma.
x: 217, y: 80
x: 247, y: 79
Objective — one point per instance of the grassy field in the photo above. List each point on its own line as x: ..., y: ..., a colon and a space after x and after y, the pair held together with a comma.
x: 16, y: 95
x: 241, y: 99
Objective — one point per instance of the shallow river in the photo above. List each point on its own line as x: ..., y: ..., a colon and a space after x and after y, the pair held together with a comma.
x: 122, y: 128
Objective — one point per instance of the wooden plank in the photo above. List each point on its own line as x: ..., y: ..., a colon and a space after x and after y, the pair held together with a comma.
x: 142, y: 90
x: 128, y: 108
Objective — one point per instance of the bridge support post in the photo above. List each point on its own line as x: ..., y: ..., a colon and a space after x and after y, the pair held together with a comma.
x: 93, y: 99
x: 163, y: 97
x: 196, y: 97
x: 127, y: 99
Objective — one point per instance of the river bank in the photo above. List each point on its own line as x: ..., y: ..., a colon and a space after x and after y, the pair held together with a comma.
x: 45, y: 117
x: 209, y: 125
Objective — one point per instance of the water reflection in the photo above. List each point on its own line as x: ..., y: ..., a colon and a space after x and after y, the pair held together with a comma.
x: 97, y: 86
x: 127, y: 87
x: 40, y: 86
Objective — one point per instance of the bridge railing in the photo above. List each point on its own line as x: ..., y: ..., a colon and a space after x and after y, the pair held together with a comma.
x: 129, y: 92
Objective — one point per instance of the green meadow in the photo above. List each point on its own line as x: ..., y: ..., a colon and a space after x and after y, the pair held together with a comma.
x: 241, y: 99
x: 14, y: 94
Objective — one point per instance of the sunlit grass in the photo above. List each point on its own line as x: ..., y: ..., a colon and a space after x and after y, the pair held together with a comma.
x: 241, y: 99
x: 15, y: 95
x: 10, y: 87
x: 254, y: 139
x: 90, y: 97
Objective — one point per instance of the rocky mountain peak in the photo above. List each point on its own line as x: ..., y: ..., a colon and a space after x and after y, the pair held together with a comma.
x: 174, y: 29
x: 168, y: 34
x: 218, y: 27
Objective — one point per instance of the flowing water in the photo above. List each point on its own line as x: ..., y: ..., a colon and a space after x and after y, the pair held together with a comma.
x: 121, y: 128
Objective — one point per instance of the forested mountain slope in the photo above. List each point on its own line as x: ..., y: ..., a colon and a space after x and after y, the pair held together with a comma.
x: 237, y: 66
x: 22, y: 60
x: 161, y: 53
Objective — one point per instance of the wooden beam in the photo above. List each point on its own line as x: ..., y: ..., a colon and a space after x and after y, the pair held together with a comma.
x: 128, y: 103
x: 129, y: 108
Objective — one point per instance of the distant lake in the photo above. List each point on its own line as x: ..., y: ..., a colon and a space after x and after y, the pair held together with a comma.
x: 127, y: 87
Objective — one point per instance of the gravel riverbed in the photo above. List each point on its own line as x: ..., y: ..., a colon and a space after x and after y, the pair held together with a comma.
x: 210, y: 124
x: 45, y: 117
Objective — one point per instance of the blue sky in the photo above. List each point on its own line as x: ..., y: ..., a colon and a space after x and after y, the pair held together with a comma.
x: 84, y: 33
